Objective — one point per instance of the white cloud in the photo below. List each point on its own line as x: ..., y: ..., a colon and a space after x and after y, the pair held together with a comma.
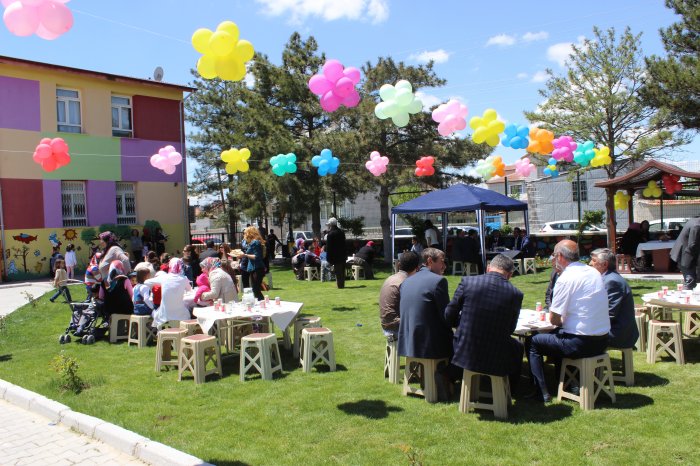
x: 428, y: 100
x: 375, y: 11
x: 438, y: 56
x: 539, y: 77
x: 503, y: 40
x: 560, y: 52
x: 535, y: 36
x: 522, y: 75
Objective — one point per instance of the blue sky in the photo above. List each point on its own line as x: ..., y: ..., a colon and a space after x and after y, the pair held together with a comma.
x: 493, y: 54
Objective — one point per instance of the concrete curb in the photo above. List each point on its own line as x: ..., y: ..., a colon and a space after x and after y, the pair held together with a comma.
x: 117, y: 437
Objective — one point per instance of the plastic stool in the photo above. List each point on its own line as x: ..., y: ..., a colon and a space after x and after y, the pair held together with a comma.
x: 316, y: 346
x: 471, y: 268
x: 195, y: 352
x: 392, y: 361
x: 673, y: 345
x: 192, y: 326
x: 312, y: 273
x: 140, y: 332
x: 470, y: 393
x: 593, y: 375
x: 357, y: 271
x: 300, y: 324
x: 691, y: 323
x: 640, y: 319
x: 518, y: 267
x: 530, y: 265
x: 624, y: 263
x: 266, y: 360
x: 454, y: 268
x: 627, y: 376
x: 114, y: 327
x: 419, y: 367
x: 168, y: 347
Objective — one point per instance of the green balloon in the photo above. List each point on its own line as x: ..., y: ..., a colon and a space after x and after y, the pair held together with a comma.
x: 387, y: 92
x: 400, y: 119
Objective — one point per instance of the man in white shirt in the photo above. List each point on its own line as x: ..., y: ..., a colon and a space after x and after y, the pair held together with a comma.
x: 580, y: 308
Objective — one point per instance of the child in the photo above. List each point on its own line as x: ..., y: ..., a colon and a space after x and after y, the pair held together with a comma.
x: 71, y: 260
x: 92, y: 275
x: 143, y: 302
x: 60, y: 281
x: 202, y: 287
x: 55, y: 255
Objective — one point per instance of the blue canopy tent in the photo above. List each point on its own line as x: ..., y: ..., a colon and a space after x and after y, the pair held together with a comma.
x: 459, y: 198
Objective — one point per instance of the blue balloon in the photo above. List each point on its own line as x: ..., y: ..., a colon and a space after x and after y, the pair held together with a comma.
x: 326, y: 163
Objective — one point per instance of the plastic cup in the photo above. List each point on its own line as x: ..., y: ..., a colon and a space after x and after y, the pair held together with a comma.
x: 679, y: 287
x: 542, y: 316
x: 278, y: 301
x: 538, y: 307
x: 665, y: 290
x: 660, y: 294
x: 267, y: 299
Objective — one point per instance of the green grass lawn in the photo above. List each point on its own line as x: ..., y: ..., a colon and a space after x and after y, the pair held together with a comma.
x: 354, y: 416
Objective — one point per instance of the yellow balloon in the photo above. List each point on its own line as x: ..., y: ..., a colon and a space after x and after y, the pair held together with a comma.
x: 229, y: 27
x: 245, y: 153
x: 490, y: 114
x: 229, y: 68
x: 244, y: 50
x: 206, y: 66
x: 200, y: 40
x: 221, y: 43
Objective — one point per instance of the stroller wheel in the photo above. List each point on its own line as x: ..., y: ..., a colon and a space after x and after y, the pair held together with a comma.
x: 84, y: 340
x: 62, y: 339
x: 67, y: 339
x: 90, y: 339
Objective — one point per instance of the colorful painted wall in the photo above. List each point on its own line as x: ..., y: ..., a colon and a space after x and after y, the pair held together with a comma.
x: 31, y: 198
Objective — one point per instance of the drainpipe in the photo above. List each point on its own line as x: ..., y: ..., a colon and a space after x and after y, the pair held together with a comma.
x: 2, y: 230
x: 185, y: 201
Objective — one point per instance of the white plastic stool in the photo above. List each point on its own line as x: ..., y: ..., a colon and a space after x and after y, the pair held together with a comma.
x: 457, y: 270
x: 357, y: 272
x: 593, y: 375
x: 196, y: 351
x: 311, y: 273
x: 640, y: 319
x: 691, y: 323
x: 627, y: 376
x: 392, y: 361
x: 518, y: 266
x: 470, y: 393
x: 673, y: 344
x: 530, y: 265
x: 115, y: 327
x: 316, y: 346
x: 168, y: 347
x: 140, y: 330
x: 424, y: 371
x: 471, y: 268
x: 265, y: 357
x: 300, y: 324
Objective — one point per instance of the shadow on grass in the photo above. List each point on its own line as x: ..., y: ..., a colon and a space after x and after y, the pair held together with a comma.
x: 5, y: 357
x: 355, y: 287
x: 647, y: 379
x: 371, y: 409
x: 342, y: 308
x: 530, y: 411
x: 219, y: 462
x: 624, y: 401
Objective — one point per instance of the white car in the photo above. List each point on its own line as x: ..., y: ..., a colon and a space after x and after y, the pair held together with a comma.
x: 567, y: 227
x: 669, y: 224
x: 403, y: 233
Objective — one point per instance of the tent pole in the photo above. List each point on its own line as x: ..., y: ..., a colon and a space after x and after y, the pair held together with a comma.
x: 393, y: 240
x: 444, y: 232
x: 482, y: 239
x: 527, y: 223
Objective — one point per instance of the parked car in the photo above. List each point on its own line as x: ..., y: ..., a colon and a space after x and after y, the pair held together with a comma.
x: 305, y: 235
x: 403, y: 233
x: 567, y: 227
x: 669, y: 224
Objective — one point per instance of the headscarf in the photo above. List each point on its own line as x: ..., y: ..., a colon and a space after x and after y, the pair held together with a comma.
x: 108, y: 237
x: 176, y: 266
x: 116, y: 270
x: 209, y: 264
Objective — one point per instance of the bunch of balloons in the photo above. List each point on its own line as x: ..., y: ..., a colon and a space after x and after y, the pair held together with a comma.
x: 336, y: 86
x: 451, y: 116
x: 166, y: 159
x: 516, y: 136
x: 424, y: 166
x: 584, y: 153
x: 621, y: 200
x: 652, y: 189
x: 47, y: 19
x: 377, y: 163
x: 223, y: 54
x: 284, y: 163
x: 491, y: 166
x: 551, y: 169
x: 326, y: 163
x: 397, y: 103
x: 51, y: 154
x: 601, y: 157
x: 564, y: 147
x: 672, y: 183
x: 523, y: 167
x: 487, y: 128
x: 236, y: 160
x: 540, y: 141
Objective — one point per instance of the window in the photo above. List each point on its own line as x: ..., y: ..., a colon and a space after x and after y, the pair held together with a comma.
x: 68, y: 111
x: 575, y: 190
x: 516, y: 189
x: 121, y: 116
x: 126, y: 204
x: 345, y: 209
x: 73, y: 203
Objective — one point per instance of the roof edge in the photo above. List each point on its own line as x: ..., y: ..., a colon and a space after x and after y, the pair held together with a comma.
x: 664, y: 167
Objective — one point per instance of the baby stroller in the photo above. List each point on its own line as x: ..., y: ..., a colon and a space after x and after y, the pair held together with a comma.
x: 88, y: 323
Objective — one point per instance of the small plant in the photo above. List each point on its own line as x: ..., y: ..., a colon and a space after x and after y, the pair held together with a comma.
x: 30, y: 298
x: 67, y: 368
x: 506, y: 229
x: 3, y: 324
x: 353, y: 225
x: 415, y: 457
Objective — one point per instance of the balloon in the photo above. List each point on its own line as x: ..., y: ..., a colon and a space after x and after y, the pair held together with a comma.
x: 672, y: 183
x: 564, y: 147
x: 621, y: 200
x: 224, y: 55
x: 551, y: 169
x: 451, y: 116
x: 523, y: 167
x: 487, y: 128
x: 398, y: 102
x: 326, y: 163
x: 51, y: 154
x: 516, y: 136
x: 236, y: 160
x: 540, y: 141
x: 166, y: 159
x: 336, y: 86
x: 601, y: 157
x: 284, y: 163
x: 652, y: 189
x: 377, y: 163
x: 584, y: 153
x: 47, y: 19
x: 424, y: 166
x: 491, y: 166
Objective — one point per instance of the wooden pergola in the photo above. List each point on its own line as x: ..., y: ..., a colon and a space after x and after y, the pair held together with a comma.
x: 638, y: 179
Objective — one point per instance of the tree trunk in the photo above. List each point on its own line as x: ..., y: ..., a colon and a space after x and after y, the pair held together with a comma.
x: 385, y: 221
x: 232, y: 218
x: 316, y: 213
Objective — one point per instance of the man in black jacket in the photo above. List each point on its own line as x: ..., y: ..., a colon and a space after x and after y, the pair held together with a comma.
x: 335, y: 251
x: 686, y: 250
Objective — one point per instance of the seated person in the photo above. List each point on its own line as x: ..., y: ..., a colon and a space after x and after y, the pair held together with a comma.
x: 203, y: 286
x: 143, y: 301
x: 528, y: 245
x: 116, y: 291
x: 631, y: 239
x: 472, y: 250
x: 326, y: 267
x: 459, y: 247
x: 495, y: 240
x: 417, y: 247
x: 364, y: 257
x: 390, y: 297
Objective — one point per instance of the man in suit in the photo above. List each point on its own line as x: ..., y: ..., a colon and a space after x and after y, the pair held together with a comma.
x: 335, y: 251
x: 623, y: 328
x: 485, y: 310
x: 209, y: 251
x: 685, y: 252
x: 423, y: 331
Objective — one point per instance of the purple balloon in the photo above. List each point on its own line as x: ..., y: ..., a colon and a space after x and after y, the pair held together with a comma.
x: 333, y: 70
x: 330, y: 102
x: 352, y: 73
x: 319, y: 85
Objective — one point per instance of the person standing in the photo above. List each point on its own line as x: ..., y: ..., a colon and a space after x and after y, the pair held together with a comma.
x: 685, y: 252
x: 136, y: 246
x: 390, y: 296
x: 254, y: 253
x: 60, y: 281
x: 71, y: 261
x: 335, y: 248
x: 431, y: 235
x: 159, y: 239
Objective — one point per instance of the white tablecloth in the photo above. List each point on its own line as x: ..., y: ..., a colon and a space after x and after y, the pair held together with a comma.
x: 529, y: 321
x: 281, y: 315
x: 653, y: 245
x: 672, y: 299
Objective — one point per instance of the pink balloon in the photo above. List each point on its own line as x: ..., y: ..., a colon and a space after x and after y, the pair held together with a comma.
x: 523, y: 167
x: 21, y: 20
x: 45, y: 141
x: 319, y: 85
x: 61, y: 158
x: 352, y: 99
x: 45, y: 34
x: 343, y: 87
x: 333, y: 70
x: 169, y: 169
x: 33, y: 2
x: 49, y: 165
x: 7, y: 3
x: 59, y: 145
x: 352, y: 73
x: 330, y: 102
x: 154, y: 160
x: 56, y: 17
x: 43, y: 151
x: 336, y: 86
x: 377, y: 163
x: 174, y: 158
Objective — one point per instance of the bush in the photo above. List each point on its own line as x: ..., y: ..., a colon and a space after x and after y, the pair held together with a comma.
x: 67, y: 368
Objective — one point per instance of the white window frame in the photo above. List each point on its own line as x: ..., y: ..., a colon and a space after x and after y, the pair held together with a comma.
x: 126, y: 203
x: 118, y: 131
x: 73, y: 204
x: 583, y: 188
x: 516, y: 189
x: 66, y: 126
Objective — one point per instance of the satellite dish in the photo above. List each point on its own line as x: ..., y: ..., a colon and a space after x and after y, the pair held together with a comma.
x: 158, y: 74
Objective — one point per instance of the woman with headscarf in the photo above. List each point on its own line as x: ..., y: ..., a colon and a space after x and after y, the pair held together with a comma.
x: 111, y: 251
x: 255, y: 254
x: 174, y: 284
x: 220, y: 283
x: 116, y: 290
